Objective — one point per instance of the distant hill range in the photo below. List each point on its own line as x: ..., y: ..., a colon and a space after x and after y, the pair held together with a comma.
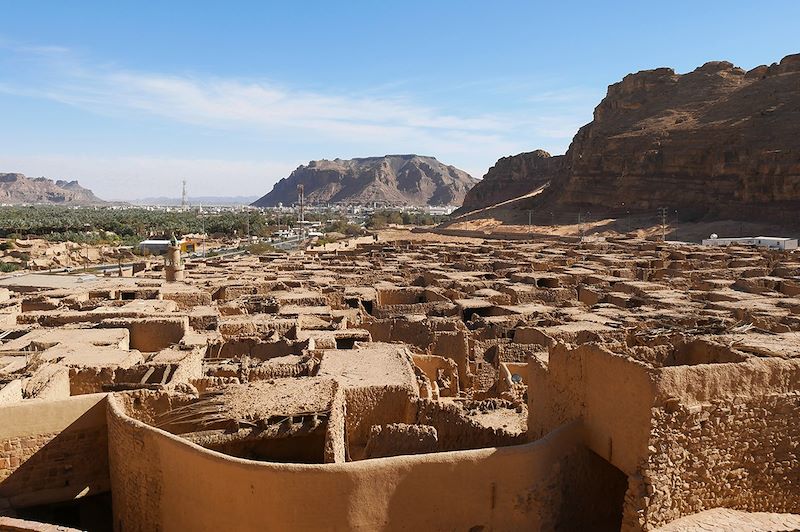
x: 392, y: 179
x: 197, y: 200
x: 716, y: 143
x: 16, y: 189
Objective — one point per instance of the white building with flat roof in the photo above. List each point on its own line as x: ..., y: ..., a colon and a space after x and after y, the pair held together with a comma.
x: 771, y: 242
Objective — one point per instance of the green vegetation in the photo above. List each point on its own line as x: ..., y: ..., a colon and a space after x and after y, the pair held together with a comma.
x: 383, y: 218
x: 8, y: 267
x: 103, y: 225
x: 344, y: 227
x: 261, y: 248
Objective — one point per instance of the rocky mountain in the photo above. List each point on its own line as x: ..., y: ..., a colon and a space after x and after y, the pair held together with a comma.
x: 391, y: 179
x: 717, y: 142
x: 18, y: 189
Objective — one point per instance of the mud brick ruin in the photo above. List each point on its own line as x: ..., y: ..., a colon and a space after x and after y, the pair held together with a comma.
x: 408, y: 385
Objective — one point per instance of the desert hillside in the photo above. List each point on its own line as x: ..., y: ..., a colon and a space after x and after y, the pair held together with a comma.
x: 391, y: 179
x: 16, y: 189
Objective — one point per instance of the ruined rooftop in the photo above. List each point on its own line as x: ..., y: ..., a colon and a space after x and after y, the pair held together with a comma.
x: 615, y: 384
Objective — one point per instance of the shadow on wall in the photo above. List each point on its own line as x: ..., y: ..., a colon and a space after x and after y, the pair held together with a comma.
x: 526, y: 487
x: 56, y: 470
x: 594, y: 493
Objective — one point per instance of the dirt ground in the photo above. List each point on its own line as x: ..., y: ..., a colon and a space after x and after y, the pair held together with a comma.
x: 641, y: 228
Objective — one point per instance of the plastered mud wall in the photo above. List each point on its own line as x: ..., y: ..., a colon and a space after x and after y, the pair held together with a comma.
x: 164, y: 483
x: 612, y: 394
x: 53, y: 451
x: 149, y: 335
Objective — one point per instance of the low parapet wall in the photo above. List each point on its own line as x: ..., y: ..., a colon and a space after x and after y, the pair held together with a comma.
x: 163, y: 482
x: 53, y: 451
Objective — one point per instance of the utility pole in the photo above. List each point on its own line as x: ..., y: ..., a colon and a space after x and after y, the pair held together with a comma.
x: 301, y: 193
x: 663, y: 212
x: 203, y: 229
x: 183, y: 196
x: 676, y: 224
x: 580, y: 222
x: 530, y: 212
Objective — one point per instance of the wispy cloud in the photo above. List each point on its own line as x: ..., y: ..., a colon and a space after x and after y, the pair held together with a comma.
x: 373, y: 119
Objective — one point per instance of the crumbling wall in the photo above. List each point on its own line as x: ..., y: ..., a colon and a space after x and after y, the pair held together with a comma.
x: 453, y: 344
x: 440, y: 370
x: 376, y: 405
x: 455, y: 431
x: 397, y: 439
x: 149, y: 335
x: 89, y: 380
x: 335, y: 437
x: 724, y: 435
x: 186, y: 298
x: 53, y: 451
x: 416, y: 333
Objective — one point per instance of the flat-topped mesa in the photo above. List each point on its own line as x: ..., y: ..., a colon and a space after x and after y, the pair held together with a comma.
x: 390, y: 179
x: 17, y: 189
x: 717, y: 142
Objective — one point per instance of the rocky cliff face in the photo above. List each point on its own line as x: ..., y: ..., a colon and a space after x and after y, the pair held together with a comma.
x: 716, y: 142
x: 17, y: 189
x: 391, y: 179
x: 511, y: 177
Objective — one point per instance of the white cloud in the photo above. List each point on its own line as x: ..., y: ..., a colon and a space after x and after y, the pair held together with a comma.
x: 369, y: 123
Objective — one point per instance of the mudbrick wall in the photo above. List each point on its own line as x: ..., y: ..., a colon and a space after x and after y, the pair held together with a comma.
x: 455, y: 432
x: 690, y: 437
x: 722, y: 435
x: 52, y: 451
x: 374, y: 405
x: 738, y: 454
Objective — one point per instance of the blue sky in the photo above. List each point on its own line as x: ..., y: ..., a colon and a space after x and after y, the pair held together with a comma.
x: 131, y: 97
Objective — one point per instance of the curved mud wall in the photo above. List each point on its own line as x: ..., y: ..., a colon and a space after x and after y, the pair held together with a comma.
x: 162, y: 482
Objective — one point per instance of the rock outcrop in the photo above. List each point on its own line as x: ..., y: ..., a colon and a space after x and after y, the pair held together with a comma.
x: 17, y: 189
x: 512, y: 177
x: 391, y: 179
x: 717, y: 142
